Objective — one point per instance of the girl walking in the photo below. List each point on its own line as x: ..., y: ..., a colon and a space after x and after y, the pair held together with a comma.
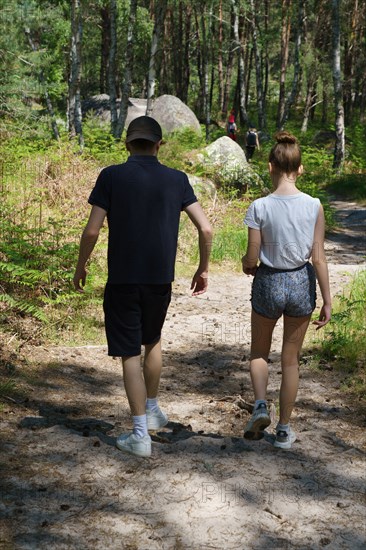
x: 285, y: 231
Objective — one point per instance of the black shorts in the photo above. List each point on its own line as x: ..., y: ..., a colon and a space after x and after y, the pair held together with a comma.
x: 134, y: 316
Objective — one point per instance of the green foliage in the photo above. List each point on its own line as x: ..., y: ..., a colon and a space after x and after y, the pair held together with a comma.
x: 100, y: 145
x: 343, y: 340
x: 352, y: 186
x: 229, y: 244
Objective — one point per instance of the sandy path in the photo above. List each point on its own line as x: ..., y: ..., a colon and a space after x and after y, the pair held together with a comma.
x: 66, y: 486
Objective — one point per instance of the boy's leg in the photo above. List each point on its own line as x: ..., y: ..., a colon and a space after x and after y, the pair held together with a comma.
x: 134, y: 384
x: 294, y: 329
x: 152, y: 368
x: 262, y: 329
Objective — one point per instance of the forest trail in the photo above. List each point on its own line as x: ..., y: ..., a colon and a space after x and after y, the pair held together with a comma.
x: 66, y: 486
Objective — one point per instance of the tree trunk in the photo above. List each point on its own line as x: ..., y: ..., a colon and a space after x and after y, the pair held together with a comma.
x: 186, y: 67
x: 262, y: 122
x: 285, y: 38
x: 241, y: 69
x: 339, y: 150
x: 310, y: 99
x: 297, y: 65
x: 266, y: 55
x: 112, y: 65
x: 126, y: 87
x: 104, y: 49
x: 74, y: 99
x: 156, y: 36
x: 219, y: 61
x: 50, y: 110
x: 229, y: 69
x: 205, y: 71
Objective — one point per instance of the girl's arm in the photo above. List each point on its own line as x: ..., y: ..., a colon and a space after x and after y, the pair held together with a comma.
x: 321, y: 269
x: 250, y: 259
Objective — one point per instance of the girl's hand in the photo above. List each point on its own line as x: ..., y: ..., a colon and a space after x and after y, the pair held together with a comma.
x: 324, y: 317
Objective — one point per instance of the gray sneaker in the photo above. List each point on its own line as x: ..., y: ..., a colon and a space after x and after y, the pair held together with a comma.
x: 284, y: 439
x: 258, y: 423
x: 138, y: 446
x: 156, y: 419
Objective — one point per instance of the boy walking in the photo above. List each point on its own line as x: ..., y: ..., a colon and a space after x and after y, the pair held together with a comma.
x: 142, y: 200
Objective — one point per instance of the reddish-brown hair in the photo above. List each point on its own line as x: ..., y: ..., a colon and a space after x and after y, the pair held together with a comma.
x: 286, y: 154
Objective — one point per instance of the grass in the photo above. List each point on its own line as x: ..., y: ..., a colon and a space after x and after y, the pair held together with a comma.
x: 350, y: 186
x: 342, y: 342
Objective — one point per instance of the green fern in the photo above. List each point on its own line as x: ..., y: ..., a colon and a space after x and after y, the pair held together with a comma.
x: 23, y: 306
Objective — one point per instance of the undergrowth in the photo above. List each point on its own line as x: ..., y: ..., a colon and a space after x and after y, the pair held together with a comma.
x: 342, y: 342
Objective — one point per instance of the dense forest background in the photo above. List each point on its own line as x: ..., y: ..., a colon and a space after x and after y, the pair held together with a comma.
x: 268, y: 60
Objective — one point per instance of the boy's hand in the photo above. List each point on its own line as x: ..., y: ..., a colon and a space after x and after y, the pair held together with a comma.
x: 250, y: 270
x: 199, y: 283
x: 79, y: 277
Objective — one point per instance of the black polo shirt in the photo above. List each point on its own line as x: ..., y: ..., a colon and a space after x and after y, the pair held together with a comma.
x: 143, y: 200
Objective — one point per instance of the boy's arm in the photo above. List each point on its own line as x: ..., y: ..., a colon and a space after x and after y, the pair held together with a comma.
x: 250, y: 259
x: 88, y: 239
x: 198, y: 217
x: 321, y: 269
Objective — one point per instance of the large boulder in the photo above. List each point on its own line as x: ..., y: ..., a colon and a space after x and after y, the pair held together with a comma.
x: 225, y: 150
x: 172, y: 114
x: 227, y: 161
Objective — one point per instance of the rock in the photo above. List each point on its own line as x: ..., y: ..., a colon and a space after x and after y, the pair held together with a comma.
x: 231, y: 167
x: 225, y: 150
x: 202, y: 185
x: 172, y: 114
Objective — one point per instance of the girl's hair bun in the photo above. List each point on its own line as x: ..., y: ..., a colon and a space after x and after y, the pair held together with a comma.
x: 285, y: 137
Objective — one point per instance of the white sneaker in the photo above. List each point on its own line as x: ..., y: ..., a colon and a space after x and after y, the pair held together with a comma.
x: 284, y: 439
x: 258, y: 423
x: 156, y: 419
x: 138, y: 446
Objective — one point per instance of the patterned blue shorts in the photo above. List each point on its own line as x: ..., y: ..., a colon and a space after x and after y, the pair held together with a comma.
x: 290, y: 292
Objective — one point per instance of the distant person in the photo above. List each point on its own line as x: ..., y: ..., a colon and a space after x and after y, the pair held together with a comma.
x: 231, y: 126
x: 142, y: 200
x: 286, y: 230
x: 251, y: 142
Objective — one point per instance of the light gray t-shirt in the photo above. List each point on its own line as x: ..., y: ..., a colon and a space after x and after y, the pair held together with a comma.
x: 287, y: 225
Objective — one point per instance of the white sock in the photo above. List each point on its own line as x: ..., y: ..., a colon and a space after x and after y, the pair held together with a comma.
x: 140, y: 425
x: 152, y: 404
x: 282, y: 428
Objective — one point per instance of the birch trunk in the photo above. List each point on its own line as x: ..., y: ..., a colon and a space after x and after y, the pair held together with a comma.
x: 104, y: 48
x: 74, y: 99
x: 156, y: 36
x: 297, y: 66
x: 339, y: 149
x: 229, y: 68
x: 112, y: 65
x: 241, y: 69
x: 285, y: 38
x: 262, y: 122
x: 126, y: 87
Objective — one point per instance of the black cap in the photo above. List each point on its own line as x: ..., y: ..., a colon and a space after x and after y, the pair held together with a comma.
x: 144, y: 127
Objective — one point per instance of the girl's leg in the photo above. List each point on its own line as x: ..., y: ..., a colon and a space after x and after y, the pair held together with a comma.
x: 294, y: 329
x: 262, y: 329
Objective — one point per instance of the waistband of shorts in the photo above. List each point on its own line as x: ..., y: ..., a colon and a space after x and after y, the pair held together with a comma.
x: 275, y: 270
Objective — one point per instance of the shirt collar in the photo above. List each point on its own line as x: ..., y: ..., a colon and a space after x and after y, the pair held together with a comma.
x: 143, y: 158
